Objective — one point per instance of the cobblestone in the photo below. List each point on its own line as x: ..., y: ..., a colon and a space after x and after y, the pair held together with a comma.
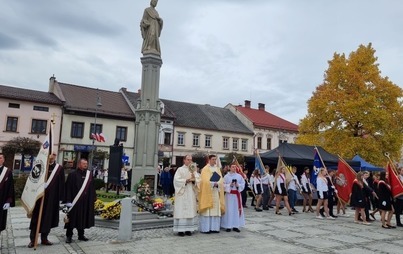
x: 264, y: 232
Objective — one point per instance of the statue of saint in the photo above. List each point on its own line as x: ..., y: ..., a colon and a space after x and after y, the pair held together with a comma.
x: 151, y: 26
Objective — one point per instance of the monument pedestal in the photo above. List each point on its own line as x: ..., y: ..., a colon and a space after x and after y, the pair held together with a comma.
x: 148, y: 121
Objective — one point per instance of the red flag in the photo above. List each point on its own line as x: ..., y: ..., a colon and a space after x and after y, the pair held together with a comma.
x: 239, y: 169
x: 101, y: 137
x: 395, y: 184
x: 345, y: 177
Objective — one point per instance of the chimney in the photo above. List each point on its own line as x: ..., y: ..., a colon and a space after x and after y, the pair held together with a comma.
x: 124, y: 89
x: 261, y: 106
x: 52, y: 81
x: 247, y: 104
x: 139, y: 91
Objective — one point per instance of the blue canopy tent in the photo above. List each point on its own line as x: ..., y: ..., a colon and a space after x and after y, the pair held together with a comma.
x: 366, y: 165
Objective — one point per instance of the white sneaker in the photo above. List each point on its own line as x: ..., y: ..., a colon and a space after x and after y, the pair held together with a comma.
x: 319, y: 217
x: 330, y: 218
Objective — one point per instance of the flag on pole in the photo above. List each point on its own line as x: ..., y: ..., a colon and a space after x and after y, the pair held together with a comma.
x: 98, y: 137
x: 35, y: 186
x: 259, y: 163
x: 345, y: 177
x: 218, y: 162
x: 288, y: 175
x: 394, y: 181
x: 317, y: 164
x: 238, y: 168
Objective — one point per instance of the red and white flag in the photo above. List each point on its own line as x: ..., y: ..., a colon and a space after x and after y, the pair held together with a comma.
x: 98, y: 137
x: 395, y: 184
x: 345, y: 177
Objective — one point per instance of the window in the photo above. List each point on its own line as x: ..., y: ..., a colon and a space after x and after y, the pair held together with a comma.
x: 167, y: 138
x: 259, y: 142
x: 235, y: 143
x: 98, y: 129
x: 14, y: 105
x: 39, y: 126
x: 244, y: 145
x: 282, y: 141
x: 196, y: 139
x: 268, y: 143
x: 225, y: 143
x: 121, y: 133
x: 207, y: 142
x: 39, y: 108
x: 12, y: 123
x: 77, y: 130
x: 181, y: 139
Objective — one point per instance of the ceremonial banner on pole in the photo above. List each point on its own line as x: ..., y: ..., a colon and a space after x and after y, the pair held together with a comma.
x: 395, y: 184
x: 317, y: 164
x: 238, y: 168
x: 345, y: 177
x: 35, y: 186
x: 259, y: 163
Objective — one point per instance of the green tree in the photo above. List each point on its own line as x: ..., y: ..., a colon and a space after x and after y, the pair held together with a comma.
x: 229, y: 157
x: 355, y: 110
x: 22, y: 145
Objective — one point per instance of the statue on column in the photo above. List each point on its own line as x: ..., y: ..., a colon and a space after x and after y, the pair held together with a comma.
x: 151, y: 26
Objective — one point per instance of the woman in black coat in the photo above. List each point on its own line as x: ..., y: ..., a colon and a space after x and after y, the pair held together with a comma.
x: 358, y: 199
x: 385, y: 201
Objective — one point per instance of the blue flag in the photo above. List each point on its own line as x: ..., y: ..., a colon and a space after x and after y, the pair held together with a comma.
x: 317, y: 164
x: 259, y: 163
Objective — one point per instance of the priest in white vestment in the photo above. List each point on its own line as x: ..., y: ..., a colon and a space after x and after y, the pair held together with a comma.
x: 186, y: 182
x: 234, y: 215
x: 211, y: 198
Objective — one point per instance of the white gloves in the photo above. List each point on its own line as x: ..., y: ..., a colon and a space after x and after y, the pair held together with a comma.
x: 6, y: 206
x: 383, y: 203
x: 45, y: 185
x: 69, y: 205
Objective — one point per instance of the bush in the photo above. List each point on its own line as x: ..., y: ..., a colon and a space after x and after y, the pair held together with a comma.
x: 98, y: 183
x: 19, y: 184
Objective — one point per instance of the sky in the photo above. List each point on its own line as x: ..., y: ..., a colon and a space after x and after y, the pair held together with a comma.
x: 213, y: 51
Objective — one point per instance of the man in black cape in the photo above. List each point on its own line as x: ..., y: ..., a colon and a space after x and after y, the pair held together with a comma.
x: 81, y: 214
x: 54, y: 194
x: 7, y: 195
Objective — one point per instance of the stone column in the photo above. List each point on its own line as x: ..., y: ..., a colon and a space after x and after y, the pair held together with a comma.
x: 148, y: 121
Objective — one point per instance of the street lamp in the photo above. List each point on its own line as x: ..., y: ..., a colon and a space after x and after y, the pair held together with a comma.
x: 94, y: 130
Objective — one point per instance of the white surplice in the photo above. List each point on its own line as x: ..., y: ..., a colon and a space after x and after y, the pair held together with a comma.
x: 185, y: 208
x: 234, y: 214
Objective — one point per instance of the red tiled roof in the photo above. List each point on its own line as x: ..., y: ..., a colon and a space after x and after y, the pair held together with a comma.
x: 262, y: 118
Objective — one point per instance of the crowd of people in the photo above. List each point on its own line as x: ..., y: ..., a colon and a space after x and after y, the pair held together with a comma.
x: 219, y: 202
x: 77, y: 193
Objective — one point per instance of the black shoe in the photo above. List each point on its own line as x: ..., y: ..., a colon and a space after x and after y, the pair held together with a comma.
x: 46, y: 242
x: 181, y: 234
x: 258, y: 210
x: 294, y: 210
x: 31, y: 245
x: 281, y: 207
x: 188, y: 233
x: 208, y: 232
x: 228, y: 230
x: 236, y: 230
x: 214, y: 231
x: 270, y: 206
x: 245, y: 206
x: 68, y: 239
x: 253, y: 204
x: 399, y: 225
x: 83, y: 238
x: 334, y: 216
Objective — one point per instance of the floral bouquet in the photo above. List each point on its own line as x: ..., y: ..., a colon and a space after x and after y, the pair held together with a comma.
x: 144, y: 193
x: 158, y: 204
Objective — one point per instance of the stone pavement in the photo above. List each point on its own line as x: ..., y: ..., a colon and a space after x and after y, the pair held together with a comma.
x: 264, y: 232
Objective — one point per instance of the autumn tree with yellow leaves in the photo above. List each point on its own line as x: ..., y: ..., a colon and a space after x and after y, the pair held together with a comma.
x: 355, y: 110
